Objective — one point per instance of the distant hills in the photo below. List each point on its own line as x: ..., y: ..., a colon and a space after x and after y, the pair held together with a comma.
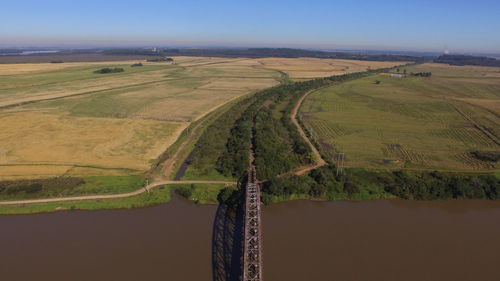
x: 257, y: 53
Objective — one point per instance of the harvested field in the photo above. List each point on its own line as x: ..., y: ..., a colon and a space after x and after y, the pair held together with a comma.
x: 413, y: 122
x: 63, y: 119
x: 59, y: 142
x: 308, y: 68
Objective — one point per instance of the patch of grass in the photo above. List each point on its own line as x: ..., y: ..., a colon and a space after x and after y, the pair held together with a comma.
x: 66, y: 187
x: 199, y: 193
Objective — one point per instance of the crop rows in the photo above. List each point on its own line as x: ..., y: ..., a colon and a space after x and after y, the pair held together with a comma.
x: 468, y: 136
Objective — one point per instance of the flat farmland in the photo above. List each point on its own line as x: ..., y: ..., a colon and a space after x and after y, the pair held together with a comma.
x: 413, y: 122
x: 300, y: 69
x: 63, y: 119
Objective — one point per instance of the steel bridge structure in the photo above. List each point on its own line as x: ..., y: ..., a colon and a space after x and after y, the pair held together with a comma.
x: 252, y: 254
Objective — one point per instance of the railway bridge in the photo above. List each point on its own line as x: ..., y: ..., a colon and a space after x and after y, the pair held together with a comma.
x: 252, y: 254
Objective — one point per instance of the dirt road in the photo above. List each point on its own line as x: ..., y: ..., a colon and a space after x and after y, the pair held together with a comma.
x: 320, y: 162
x: 112, y: 196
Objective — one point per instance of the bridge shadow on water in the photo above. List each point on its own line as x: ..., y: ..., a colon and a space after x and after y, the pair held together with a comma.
x: 227, y: 243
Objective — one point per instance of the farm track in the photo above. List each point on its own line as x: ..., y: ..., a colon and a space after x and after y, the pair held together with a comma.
x: 112, y: 196
x: 320, y: 162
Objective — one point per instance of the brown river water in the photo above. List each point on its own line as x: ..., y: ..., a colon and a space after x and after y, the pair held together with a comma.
x: 303, y: 240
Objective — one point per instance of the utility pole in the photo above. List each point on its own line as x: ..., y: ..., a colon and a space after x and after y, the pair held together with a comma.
x: 340, y: 163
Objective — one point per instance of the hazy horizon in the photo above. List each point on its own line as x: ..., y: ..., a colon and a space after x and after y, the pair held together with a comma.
x: 425, y: 26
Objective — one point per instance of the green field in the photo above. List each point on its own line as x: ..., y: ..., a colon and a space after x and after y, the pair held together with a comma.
x: 412, y: 122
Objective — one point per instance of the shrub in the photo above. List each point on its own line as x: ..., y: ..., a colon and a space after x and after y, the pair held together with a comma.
x: 107, y: 70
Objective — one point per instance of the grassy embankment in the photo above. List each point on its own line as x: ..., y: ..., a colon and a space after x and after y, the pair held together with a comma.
x: 200, y: 193
x: 68, y: 187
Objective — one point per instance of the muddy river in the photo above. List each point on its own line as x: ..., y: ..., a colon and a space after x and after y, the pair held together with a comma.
x: 303, y: 240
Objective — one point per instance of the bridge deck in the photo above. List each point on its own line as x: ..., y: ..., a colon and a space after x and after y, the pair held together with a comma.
x: 252, y: 259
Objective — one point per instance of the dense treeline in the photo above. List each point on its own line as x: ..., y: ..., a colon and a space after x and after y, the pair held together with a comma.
x: 461, y: 60
x: 235, y: 159
x: 264, y: 52
x: 322, y: 183
x: 274, y: 149
x: 436, y: 185
x: 214, y: 139
x: 362, y: 184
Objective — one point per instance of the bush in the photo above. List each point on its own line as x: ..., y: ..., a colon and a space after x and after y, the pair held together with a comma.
x: 185, y: 192
x: 39, y: 185
x: 107, y: 70
x: 136, y: 65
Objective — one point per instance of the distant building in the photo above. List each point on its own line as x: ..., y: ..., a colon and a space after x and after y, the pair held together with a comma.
x: 396, y: 75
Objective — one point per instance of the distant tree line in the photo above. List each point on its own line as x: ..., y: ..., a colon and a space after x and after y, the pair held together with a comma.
x: 265, y: 52
x: 461, y: 60
x: 127, y: 52
x: 160, y: 59
x: 421, y: 74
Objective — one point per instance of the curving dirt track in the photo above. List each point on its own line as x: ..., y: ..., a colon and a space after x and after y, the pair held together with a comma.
x: 320, y: 162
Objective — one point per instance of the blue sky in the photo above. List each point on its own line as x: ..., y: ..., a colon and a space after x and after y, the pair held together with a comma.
x: 420, y: 25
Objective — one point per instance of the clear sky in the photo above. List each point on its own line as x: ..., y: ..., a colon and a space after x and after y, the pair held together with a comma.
x: 411, y: 25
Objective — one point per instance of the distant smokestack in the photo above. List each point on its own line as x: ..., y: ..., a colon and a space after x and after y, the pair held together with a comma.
x: 446, y: 50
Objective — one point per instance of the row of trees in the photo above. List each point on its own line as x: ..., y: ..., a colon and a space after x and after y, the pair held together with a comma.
x: 436, y: 185
x: 212, y: 143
